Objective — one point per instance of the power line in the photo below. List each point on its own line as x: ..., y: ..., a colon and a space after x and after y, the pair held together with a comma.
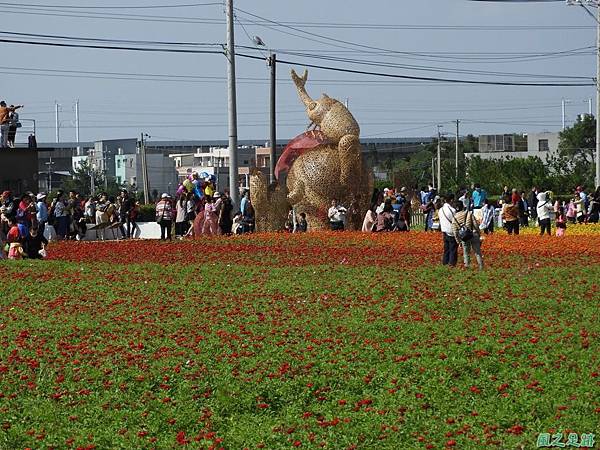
x: 412, y: 77
x: 436, y: 69
x: 119, y: 41
x: 109, y: 47
x: 23, y: 9
x: 327, y: 58
x: 463, y: 58
x: 337, y: 69
x: 188, y: 5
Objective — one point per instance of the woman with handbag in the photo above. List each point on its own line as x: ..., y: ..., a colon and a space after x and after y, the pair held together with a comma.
x: 164, y: 216
x: 467, y: 235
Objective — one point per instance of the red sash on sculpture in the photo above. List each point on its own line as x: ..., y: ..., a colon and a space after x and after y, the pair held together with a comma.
x: 296, y: 147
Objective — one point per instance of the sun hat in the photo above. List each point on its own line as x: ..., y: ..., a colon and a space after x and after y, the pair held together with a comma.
x: 165, y: 195
x: 40, y: 196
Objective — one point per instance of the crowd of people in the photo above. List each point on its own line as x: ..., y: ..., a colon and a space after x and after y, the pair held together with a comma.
x: 192, y: 216
x: 462, y: 218
x: 198, y: 209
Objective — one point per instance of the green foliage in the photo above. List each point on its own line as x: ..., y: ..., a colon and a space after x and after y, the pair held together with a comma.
x: 81, y: 181
x: 147, y: 213
x: 520, y: 173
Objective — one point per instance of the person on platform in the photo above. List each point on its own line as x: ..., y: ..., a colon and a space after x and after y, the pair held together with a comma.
x: 5, y: 122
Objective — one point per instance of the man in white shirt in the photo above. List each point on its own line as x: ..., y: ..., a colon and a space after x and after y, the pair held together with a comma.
x: 337, y: 216
x: 446, y: 215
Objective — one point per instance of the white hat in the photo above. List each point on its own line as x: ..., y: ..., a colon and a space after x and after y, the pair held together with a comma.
x: 165, y: 195
x: 40, y: 196
x: 217, y: 194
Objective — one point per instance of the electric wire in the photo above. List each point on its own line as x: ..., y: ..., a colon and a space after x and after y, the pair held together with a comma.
x: 186, y: 5
x: 23, y: 9
x: 412, y: 77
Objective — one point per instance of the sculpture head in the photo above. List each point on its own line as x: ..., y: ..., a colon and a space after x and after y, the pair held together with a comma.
x: 332, y: 116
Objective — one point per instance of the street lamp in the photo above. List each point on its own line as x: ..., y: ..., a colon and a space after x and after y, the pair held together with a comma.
x: 594, y: 4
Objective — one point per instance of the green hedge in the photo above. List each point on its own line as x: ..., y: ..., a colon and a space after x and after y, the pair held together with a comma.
x: 147, y: 213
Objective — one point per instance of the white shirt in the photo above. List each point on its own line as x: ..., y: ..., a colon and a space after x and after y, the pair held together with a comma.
x: 544, y: 209
x: 337, y: 214
x: 446, y: 215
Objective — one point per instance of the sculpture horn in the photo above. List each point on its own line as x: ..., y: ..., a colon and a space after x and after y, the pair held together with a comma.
x: 300, y: 82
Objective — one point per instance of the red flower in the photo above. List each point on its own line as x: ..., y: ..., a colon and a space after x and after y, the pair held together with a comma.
x: 181, y: 440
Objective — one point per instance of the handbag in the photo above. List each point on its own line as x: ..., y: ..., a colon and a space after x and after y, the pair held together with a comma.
x: 159, y: 220
x: 465, y: 234
x: 18, y: 125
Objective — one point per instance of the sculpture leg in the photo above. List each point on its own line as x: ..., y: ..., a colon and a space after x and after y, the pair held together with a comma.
x: 350, y: 159
x: 296, y: 192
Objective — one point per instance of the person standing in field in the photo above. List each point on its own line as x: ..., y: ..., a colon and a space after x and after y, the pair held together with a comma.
x: 465, y: 218
x: 510, y: 214
x: 487, y: 217
x: 337, y: 216
x: 523, y: 210
x: 532, y: 203
x: 164, y: 216
x: 446, y: 216
x: 544, y: 209
x: 561, y: 222
x: 370, y: 220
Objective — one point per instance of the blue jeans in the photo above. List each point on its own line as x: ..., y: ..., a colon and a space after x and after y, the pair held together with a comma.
x: 450, y: 250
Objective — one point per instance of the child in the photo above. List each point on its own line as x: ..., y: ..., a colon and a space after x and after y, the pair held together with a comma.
x: 237, y: 227
x: 302, y: 225
x: 35, y: 244
x: 14, y: 238
x: 561, y: 222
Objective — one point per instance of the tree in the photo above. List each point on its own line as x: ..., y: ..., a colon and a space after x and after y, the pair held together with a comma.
x: 81, y: 181
x: 520, y: 173
x: 575, y: 161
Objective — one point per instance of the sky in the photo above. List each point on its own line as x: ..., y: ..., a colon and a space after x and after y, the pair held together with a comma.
x: 179, y: 96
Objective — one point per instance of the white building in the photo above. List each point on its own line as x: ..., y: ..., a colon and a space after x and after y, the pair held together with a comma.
x: 503, y: 146
x: 162, y: 176
x: 215, y: 161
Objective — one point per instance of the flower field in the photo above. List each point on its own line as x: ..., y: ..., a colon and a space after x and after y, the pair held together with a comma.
x: 322, y: 340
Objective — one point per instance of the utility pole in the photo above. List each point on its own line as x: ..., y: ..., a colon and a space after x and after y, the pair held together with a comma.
x: 144, y: 169
x: 57, y: 106
x: 105, y: 166
x: 272, y: 153
x: 439, y: 160
x: 91, y: 166
x: 590, y: 106
x: 598, y: 97
x: 50, y: 164
x: 563, y: 103
x: 233, y: 163
x: 77, y: 125
x: 457, y: 139
x: 433, y: 172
